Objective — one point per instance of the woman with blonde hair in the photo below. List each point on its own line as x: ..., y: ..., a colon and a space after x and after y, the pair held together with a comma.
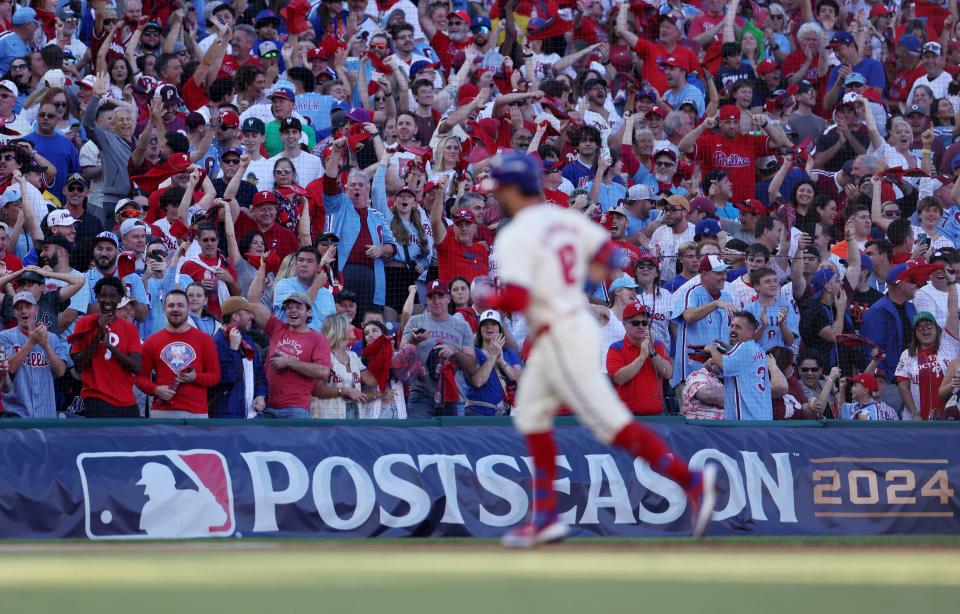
x: 342, y: 395
x: 446, y: 154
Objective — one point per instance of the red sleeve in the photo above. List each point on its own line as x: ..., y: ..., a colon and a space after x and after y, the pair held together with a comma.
x: 193, y: 95
x: 662, y: 351
x: 321, y: 352
x: 154, y: 212
x: 510, y: 298
x: 331, y: 185
x: 143, y: 380
x: 615, y: 361
x: 643, y: 49
x: 631, y: 163
x: 179, y: 230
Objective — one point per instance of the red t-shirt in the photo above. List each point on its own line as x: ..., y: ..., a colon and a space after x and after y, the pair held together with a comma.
x: 277, y: 239
x: 193, y: 95
x: 456, y: 259
x: 899, y: 89
x: 12, y: 261
x: 651, y: 52
x: 197, y: 273
x: 736, y: 156
x: 105, y: 378
x: 169, y: 353
x: 643, y: 394
x: 289, y: 388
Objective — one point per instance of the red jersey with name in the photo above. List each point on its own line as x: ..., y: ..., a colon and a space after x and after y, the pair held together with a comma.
x: 737, y: 157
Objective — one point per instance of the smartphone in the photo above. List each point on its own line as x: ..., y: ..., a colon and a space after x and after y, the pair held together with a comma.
x: 924, y: 240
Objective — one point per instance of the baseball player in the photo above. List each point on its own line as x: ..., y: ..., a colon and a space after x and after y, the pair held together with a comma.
x: 548, y: 256
x: 743, y: 366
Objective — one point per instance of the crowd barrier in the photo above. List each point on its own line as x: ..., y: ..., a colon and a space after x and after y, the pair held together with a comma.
x: 461, y: 477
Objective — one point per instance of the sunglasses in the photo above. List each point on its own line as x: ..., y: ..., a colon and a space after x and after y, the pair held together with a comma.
x: 60, y: 105
x: 47, y: 115
x: 129, y: 213
x: 664, y: 164
x: 109, y: 22
x: 893, y: 213
x: 208, y: 240
x: 76, y: 187
x: 809, y: 369
x: 673, y: 209
x: 646, y: 265
x: 283, y: 171
x: 230, y: 161
x: 17, y: 67
x: 640, y: 323
x: 378, y: 46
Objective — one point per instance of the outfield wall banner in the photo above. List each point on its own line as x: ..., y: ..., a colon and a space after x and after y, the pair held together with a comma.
x: 153, y: 481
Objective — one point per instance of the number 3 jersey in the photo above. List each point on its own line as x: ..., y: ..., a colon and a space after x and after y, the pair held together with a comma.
x: 547, y: 250
x: 746, y: 383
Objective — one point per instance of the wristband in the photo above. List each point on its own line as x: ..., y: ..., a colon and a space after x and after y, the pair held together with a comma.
x: 925, y: 152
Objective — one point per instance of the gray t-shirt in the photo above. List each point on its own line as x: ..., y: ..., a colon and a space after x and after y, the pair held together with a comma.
x: 453, y: 330
x: 807, y: 126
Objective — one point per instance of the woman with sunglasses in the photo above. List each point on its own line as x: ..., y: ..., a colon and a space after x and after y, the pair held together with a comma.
x: 657, y: 300
x: 490, y: 389
x: 922, y: 366
x: 289, y: 194
x: 19, y: 75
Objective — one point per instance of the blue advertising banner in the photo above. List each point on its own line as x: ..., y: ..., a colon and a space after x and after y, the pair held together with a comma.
x: 153, y: 481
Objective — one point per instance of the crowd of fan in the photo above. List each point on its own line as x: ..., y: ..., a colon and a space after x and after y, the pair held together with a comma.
x: 257, y: 208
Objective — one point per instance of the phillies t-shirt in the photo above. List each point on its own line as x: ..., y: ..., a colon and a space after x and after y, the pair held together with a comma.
x: 170, y: 353
x: 925, y: 373
x: 457, y: 259
x: 737, y: 156
x: 105, y: 378
x: 288, y: 388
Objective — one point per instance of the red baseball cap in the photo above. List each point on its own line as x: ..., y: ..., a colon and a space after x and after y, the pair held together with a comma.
x: 229, y: 119
x: 766, y: 67
x: 467, y: 93
x: 464, y: 215
x: 635, y: 309
x: 657, y: 111
x: 179, y: 162
x: 867, y: 379
x: 729, y: 111
x: 459, y: 15
x: 671, y: 62
x: 264, y: 197
x: 437, y: 287
x: 752, y: 205
x: 879, y: 10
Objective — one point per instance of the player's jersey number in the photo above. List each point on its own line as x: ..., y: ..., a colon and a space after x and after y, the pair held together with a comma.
x: 567, y: 254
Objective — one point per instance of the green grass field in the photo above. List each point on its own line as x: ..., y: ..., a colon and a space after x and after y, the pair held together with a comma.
x: 463, y: 577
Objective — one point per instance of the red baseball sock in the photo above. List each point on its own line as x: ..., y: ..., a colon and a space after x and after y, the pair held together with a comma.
x: 543, y: 449
x: 643, y: 442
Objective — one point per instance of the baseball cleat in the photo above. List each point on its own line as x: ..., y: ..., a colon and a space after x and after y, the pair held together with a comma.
x: 528, y: 535
x: 703, y: 500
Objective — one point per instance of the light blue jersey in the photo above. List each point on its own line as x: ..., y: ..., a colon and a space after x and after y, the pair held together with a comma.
x: 772, y: 336
x: 714, y: 327
x: 323, y: 304
x: 746, y: 383
x: 32, y: 394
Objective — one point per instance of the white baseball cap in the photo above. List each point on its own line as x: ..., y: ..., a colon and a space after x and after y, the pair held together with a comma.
x: 132, y: 224
x: 8, y: 85
x: 10, y: 195
x: 55, y: 78
x: 641, y: 191
x: 61, y: 217
x: 491, y: 314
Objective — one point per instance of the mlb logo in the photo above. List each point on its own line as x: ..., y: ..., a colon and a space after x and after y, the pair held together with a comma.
x: 161, y: 494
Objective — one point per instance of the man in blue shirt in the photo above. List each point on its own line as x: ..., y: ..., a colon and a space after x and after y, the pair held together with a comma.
x: 54, y: 147
x: 13, y: 44
x: 679, y: 89
x: 306, y: 279
x: 702, y: 314
x: 846, y: 50
x: 580, y: 171
x: 743, y: 366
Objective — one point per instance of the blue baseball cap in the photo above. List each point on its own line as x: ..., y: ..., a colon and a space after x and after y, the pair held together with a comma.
x: 840, y: 38
x: 23, y: 16
x: 622, y: 282
x: 820, y: 280
x: 519, y: 169
x: 707, y: 227
x: 896, y: 272
x: 479, y: 22
x: 910, y: 42
x: 106, y: 235
x: 866, y: 262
